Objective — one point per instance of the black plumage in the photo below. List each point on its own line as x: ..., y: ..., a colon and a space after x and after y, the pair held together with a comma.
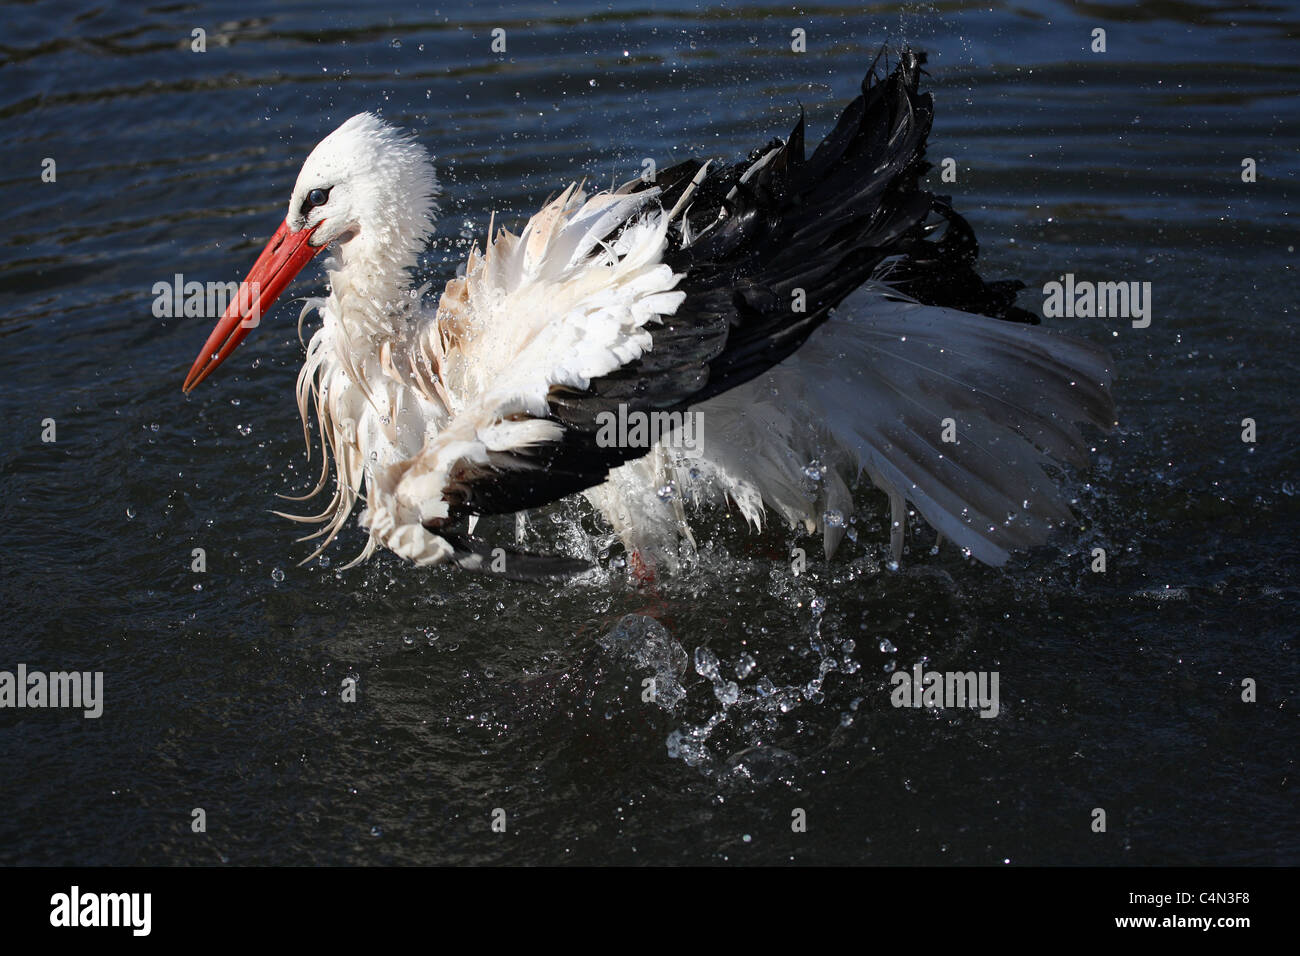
x: 766, y: 261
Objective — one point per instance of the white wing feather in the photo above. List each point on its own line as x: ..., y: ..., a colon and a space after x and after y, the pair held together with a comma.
x: 870, y: 391
x: 551, y: 307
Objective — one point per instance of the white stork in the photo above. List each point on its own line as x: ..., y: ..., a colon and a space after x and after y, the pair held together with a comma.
x: 821, y: 314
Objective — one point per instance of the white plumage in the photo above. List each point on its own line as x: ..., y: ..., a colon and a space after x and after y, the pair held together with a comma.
x: 987, y: 493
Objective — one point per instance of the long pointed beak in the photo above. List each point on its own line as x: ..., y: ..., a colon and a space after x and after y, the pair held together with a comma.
x: 281, y: 260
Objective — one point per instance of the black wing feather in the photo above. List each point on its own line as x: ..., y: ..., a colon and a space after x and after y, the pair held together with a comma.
x: 822, y: 224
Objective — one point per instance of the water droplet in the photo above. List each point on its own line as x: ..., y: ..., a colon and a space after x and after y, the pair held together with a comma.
x: 745, y: 665
x: 706, y: 663
x: 277, y: 575
x: 675, y: 744
x: 887, y: 646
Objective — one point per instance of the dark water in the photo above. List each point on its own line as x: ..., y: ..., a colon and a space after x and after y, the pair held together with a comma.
x: 1119, y: 690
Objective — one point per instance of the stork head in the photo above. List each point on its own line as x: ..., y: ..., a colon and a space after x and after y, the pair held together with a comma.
x: 368, y: 189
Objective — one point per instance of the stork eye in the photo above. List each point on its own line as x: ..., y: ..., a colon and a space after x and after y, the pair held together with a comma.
x: 317, y: 197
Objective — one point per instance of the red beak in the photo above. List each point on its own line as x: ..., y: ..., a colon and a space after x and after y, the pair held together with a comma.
x: 281, y: 260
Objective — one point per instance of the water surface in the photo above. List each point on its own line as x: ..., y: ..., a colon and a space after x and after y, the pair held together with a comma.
x: 1120, y: 691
